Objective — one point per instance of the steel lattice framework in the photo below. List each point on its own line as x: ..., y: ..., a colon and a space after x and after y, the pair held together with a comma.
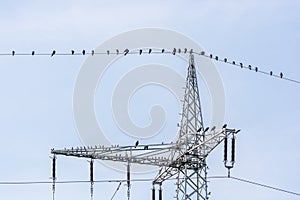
x: 184, y: 159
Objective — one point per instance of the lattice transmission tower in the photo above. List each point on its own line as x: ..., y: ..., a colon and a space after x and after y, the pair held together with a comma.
x: 184, y: 160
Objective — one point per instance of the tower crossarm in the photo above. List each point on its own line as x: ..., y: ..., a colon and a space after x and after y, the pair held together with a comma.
x: 153, y: 154
x: 186, y: 158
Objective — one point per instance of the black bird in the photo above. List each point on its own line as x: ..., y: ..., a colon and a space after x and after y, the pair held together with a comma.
x: 146, y: 147
x: 241, y: 64
x: 281, y: 74
x: 207, y: 128
x: 202, y: 53
x: 217, y: 58
x: 179, y: 50
x: 163, y: 50
x: 199, y: 130
x: 210, y: 55
x: 13, y: 53
x: 224, y: 126
x: 141, y: 51
x: 256, y: 69
x: 136, y: 144
x: 72, y: 52
x: 233, y: 62
x: 185, y: 50
x: 250, y: 67
x: 126, y: 51
x: 271, y: 73
x: 117, y: 51
x: 53, y: 53
x: 174, y: 51
x: 107, y: 52
x: 213, y: 128
x: 150, y: 50
x: 83, y: 52
x: 225, y: 59
x: 32, y: 53
x: 93, y: 52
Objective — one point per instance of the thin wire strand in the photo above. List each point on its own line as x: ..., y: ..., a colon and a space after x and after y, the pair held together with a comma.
x: 147, y: 180
x: 156, y: 51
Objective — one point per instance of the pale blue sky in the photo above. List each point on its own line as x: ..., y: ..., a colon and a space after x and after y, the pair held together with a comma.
x: 36, y: 92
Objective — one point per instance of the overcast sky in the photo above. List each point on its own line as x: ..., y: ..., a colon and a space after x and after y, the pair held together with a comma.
x: 37, y: 92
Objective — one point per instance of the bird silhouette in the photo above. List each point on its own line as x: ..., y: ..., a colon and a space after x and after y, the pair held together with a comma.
x: 224, y: 126
x: 202, y: 53
x: 233, y: 62
x: 174, y: 51
x: 241, y: 64
x: 250, y: 67
x: 185, y: 50
x: 213, y: 128
x: 179, y: 50
x: 141, y: 51
x: 93, y: 52
x: 271, y: 73
x: 136, y: 144
x: 217, y: 58
x: 83, y: 52
x: 225, y: 59
x: 117, y: 51
x: 163, y: 50
x: 72, y: 52
x: 150, y: 50
x: 126, y: 51
x: 53, y: 53
x: 199, y: 129
x: 281, y: 74
x: 13, y: 53
x: 256, y: 69
x: 210, y: 55
x: 32, y: 53
x: 107, y: 52
x: 207, y: 128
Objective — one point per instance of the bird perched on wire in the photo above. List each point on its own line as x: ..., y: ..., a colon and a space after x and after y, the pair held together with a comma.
x: 53, y: 53
x: 126, y: 51
x: 136, y: 144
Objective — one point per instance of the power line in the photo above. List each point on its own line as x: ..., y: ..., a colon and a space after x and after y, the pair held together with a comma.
x: 156, y: 51
x: 145, y: 180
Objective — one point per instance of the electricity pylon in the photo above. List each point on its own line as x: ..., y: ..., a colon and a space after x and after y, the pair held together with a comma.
x: 184, y: 159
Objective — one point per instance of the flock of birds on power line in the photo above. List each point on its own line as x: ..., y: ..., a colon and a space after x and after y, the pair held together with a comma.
x: 154, y: 51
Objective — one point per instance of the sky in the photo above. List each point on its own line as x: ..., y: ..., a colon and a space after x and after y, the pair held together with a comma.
x: 36, y: 101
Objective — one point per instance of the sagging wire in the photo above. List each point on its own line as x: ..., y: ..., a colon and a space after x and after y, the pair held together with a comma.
x: 155, y: 51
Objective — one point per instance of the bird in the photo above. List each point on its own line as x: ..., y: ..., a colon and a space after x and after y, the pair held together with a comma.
x: 199, y: 129
x: 117, y: 50
x: 233, y: 62
x: 237, y: 131
x: 72, y: 52
x: 179, y: 50
x: 213, y: 128
x: 174, y: 51
x: 53, y: 53
x: 83, y: 52
x: 250, y: 67
x: 241, y: 64
x: 271, y: 73
x: 185, y: 50
x: 93, y: 52
x: 225, y: 59
x: 281, y: 74
x: 13, y: 53
x: 210, y: 55
x: 163, y: 50
x: 146, y: 147
x: 141, y: 51
x: 32, y: 53
x: 136, y: 144
x: 256, y: 69
x: 202, y: 53
x: 107, y: 52
x: 207, y: 128
x: 126, y: 51
x: 224, y: 126
x: 217, y: 58
x: 150, y: 50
